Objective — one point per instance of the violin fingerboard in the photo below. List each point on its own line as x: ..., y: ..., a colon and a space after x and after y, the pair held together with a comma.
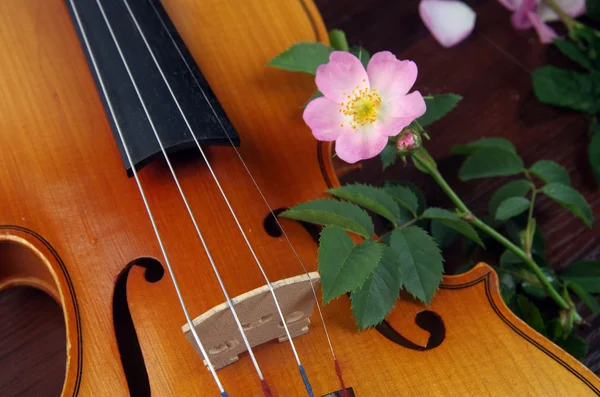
x: 205, y: 116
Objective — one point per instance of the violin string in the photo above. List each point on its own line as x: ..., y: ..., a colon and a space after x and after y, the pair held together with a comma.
x: 144, y: 199
x: 231, y: 210
x: 243, y: 162
x: 184, y: 198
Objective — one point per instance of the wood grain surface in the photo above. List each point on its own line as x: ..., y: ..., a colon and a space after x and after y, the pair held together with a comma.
x: 491, y: 70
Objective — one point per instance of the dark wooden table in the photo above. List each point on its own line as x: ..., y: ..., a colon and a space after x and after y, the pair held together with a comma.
x: 491, y: 70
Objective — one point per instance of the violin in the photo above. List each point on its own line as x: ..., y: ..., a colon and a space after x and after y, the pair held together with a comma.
x: 146, y: 150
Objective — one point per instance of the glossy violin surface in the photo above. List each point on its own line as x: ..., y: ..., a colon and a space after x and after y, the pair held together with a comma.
x: 73, y: 222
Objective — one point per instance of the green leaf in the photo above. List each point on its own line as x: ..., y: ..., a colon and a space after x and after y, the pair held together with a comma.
x: 372, y: 302
x: 592, y: 8
x: 484, y: 143
x: 316, y: 95
x: 571, y: 199
x: 452, y: 220
x: 550, y: 172
x: 518, y: 188
x: 348, y: 216
x: 421, y: 262
x: 594, y: 150
x: 508, y: 287
x: 511, y: 207
x: 573, y: 52
x: 338, y: 41
x: 530, y: 313
x: 361, y: 54
x: 490, y: 162
x: 444, y: 236
x: 532, y: 285
x: 589, y: 300
x: 573, y: 345
x: 509, y: 258
x: 568, y: 89
x: 585, y: 273
x: 302, y: 57
x: 404, y: 196
x: 437, y: 107
x: 388, y: 155
x: 342, y: 265
x: 371, y: 198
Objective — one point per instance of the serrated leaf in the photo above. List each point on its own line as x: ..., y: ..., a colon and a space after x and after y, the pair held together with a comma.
x: 573, y: 52
x: 371, y: 198
x: 372, y: 302
x: 444, y: 236
x: 484, y: 143
x: 404, y: 196
x: 490, y: 162
x: 316, y: 95
x: 518, y: 188
x: 571, y: 199
x: 338, y: 41
x: 512, y: 206
x: 437, y: 107
x: 388, y: 155
x: 325, y: 212
x: 530, y: 313
x: 342, y: 265
x: 417, y: 192
x: 585, y: 273
x: 302, y: 57
x: 361, y: 54
x: 421, y: 262
x: 452, y: 220
x: 594, y: 150
x: 568, y: 89
x: 589, y: 300
x: 550, y: 172
x: 573, y: 345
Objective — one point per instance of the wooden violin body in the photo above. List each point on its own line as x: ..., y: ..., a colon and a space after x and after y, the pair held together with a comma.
x: 72, y: 223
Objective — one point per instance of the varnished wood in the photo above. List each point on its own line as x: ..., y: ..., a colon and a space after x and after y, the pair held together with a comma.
x: 73, y: 220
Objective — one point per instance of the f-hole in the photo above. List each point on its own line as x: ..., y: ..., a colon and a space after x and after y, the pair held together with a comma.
x: 130, y: 350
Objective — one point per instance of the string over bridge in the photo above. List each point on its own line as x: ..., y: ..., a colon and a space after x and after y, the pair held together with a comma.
x: 260, y: 320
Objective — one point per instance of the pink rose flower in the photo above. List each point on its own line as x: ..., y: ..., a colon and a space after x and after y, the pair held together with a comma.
x: 360, y: 109
x: 535, y: 13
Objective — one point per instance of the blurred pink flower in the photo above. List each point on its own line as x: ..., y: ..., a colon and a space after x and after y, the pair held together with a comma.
x: 535, y: 13
x: 360, y: 109
x: 449, y: 21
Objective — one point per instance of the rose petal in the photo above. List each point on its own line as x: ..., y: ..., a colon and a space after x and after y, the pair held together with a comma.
x: 360, y: 144
x: 520, y: 18
x: 390, y: 76
x: 324, y: 119
x: 450, y: 22
x: 340, y: 76
x: 545, y: 32
x: 573, y: 8
x: 395, y: 115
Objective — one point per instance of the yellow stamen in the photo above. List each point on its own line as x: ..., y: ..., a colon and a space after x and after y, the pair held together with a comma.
x: 362, y: 107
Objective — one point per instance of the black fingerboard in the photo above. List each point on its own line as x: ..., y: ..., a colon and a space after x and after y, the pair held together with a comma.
x: 207, y: 119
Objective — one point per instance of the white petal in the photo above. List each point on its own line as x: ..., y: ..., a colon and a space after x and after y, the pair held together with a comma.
x: 450, y: 22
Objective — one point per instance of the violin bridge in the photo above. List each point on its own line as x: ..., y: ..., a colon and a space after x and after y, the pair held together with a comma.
x: 260, y: 319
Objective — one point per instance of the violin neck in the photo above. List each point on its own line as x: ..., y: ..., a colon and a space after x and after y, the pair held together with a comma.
x: 145, y: 93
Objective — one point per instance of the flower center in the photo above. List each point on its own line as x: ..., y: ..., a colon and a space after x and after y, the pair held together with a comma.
x: 361, y: 107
